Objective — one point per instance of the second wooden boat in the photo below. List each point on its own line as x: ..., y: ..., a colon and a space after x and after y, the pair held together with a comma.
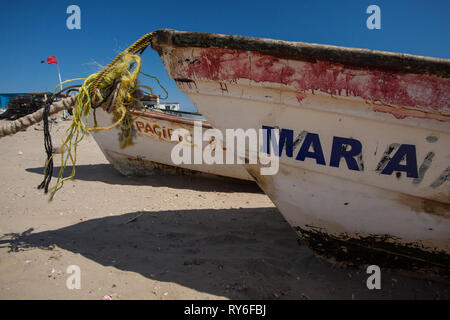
x: 151, y: 151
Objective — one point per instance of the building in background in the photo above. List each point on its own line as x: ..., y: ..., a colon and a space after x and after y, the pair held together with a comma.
x: 5, y: 99
x: 154, y: 103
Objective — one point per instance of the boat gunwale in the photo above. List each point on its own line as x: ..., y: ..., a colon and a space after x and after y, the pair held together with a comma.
x: 353, y: 57
x: 171, y: 118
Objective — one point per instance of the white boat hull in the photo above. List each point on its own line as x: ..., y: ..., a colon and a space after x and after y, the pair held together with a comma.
x: 152, y: 147
x: 350, y: 210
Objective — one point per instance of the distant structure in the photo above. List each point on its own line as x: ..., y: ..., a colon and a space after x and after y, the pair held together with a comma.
x: 6, y: 97
x: 16, y: 105
x: 154, y: 103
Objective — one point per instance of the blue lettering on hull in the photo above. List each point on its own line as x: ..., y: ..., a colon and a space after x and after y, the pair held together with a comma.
x: 345, y: 152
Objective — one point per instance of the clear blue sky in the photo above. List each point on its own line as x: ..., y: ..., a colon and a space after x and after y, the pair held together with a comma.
x: 33, y: 30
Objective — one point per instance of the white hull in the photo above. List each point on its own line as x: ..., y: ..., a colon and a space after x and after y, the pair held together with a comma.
x: 152, y: 147
x: 341, y: 209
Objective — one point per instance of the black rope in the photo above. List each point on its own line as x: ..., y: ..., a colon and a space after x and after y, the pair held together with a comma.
x: 48, y: 171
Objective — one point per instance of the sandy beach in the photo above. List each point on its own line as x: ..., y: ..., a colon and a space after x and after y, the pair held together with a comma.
x: 158, y: 237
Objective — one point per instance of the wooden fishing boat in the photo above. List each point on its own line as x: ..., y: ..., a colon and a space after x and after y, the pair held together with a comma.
x: 152, y: 145
x: 364, y: 139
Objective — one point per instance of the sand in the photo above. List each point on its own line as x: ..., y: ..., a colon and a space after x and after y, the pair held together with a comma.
x: 158, y: 237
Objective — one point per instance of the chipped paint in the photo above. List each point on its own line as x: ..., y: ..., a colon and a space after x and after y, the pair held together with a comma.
x: 419, y: 205
x: 445, y: 176
x: 424, y: 167
x: 385, y: 251
x: 298, y: 141
x: 386, y: 156
x: 432, y: 139
x: 402, y: 95
x: 403, y: 113
x: 300, y: 97
x: 392, y: 79
x: 360, y: 162
x: 188, y: 83
x: 137, y: 166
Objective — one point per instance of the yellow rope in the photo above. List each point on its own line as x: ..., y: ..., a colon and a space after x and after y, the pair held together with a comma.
x: 118, y: 78
x: 64, y: 82
x: 156, y: 79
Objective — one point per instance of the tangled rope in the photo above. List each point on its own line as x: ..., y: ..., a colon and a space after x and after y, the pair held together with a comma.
x: 115, y: 90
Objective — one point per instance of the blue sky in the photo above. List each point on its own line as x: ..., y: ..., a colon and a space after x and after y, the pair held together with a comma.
x: 32, y: 30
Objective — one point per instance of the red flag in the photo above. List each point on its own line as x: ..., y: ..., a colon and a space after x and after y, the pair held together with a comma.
x: 52, y: 60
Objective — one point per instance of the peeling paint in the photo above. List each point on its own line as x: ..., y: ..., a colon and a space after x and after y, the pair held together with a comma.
x: 360, y: 162
x: 386, y: 156
x: 403, y: 113
x: 392, y: 79
x: 300, y: 97
x: 424, y: 167
x: 445, y: 176
x: 181, y: 82
x: 298, y: 141
x: 385, y: 251
x: 392, y: 92
x: 432, y: 139
x: 138, y: 166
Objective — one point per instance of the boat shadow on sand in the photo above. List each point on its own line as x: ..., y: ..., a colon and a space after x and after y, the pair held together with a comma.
x: 247, y: 253
x: 201, y: 182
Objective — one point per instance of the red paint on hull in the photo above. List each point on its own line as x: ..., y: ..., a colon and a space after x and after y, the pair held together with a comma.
x: 416, y: 91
